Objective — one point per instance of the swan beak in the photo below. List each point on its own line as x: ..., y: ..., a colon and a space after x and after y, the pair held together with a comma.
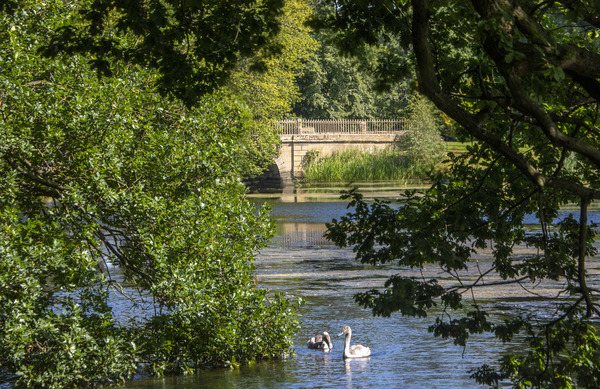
x: 340, y: 334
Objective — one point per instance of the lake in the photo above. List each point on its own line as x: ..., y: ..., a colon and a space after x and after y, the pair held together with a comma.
x: 301, y: 263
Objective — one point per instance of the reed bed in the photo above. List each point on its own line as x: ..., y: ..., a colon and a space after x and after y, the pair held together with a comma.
x: 354, y: 165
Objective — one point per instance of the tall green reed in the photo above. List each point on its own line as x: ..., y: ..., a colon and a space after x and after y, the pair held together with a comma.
x: 353, y: 165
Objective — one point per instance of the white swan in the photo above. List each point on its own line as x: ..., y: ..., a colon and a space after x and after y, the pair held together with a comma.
x: 356, y: 351
x: 320, y: 342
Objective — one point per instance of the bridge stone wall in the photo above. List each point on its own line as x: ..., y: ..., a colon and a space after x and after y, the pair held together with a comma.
x: 295, y: 146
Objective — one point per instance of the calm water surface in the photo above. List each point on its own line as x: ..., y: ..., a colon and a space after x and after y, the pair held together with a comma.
x: 404, y: 354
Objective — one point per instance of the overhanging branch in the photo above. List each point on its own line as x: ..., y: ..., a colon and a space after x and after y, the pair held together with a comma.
x: 475, y: 123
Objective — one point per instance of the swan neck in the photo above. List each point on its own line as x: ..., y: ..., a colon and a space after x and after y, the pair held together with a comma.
x: 347, y: 344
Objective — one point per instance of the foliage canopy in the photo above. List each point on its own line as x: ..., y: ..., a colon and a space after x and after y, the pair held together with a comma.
x: 193, y: 45
x: 335, y: 85
x: 270, y: 94
x: 126, y: 240
x: 522, y: 79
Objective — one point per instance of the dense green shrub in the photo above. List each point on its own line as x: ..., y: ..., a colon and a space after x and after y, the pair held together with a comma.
x: 126, y: 241
x: 422, y: 142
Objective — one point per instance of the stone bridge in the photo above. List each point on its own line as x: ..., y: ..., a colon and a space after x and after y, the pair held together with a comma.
x: 328, y: 136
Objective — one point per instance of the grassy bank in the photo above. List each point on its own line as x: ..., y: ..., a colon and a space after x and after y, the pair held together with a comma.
x: 457, y: 147
x: 353, y: 165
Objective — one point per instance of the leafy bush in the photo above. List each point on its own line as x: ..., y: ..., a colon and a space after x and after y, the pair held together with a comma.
x: 126, y: 240
x: 422, y: 143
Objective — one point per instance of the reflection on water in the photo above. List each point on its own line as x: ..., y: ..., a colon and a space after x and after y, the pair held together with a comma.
x: 330, y: 191
x: 356, y: 368
x: 301, y: 235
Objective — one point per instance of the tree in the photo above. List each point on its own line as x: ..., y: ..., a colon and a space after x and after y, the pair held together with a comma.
x: 252, y: 49
x: 520, y: 78
x: 270, y: 93
x: 423, y: 143
x: 336, y: 85
x: 126, y: 240
x: 334, y: 88
x: 194, y: 45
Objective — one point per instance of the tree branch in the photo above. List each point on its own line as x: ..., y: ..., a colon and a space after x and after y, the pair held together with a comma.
x: 593, y: 18
x: 30, y: 173
x: 548, y: 127
x: 428, y: 83
x: 581, y: 276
